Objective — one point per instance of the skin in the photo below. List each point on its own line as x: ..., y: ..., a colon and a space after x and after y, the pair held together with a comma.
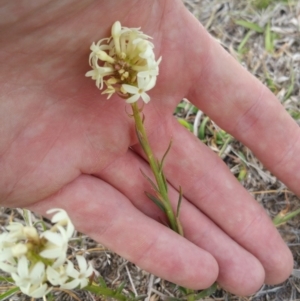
x: 64, y: 145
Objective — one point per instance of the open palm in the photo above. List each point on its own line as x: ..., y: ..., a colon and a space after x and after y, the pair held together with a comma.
x: 64, y: 145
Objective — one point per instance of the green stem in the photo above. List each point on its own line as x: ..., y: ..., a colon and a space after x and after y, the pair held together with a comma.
x: 155, y: 168
x: 190, y: 295
x: 160, y: 180
x: 107, y: 292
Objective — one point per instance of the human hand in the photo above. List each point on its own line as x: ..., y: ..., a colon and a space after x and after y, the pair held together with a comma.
x: 64, y: 145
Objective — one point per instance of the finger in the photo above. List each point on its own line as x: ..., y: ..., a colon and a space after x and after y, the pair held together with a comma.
x: 209, y: 185
x: 244, y: 107
x: 239, y: 271
x: 103, y: 213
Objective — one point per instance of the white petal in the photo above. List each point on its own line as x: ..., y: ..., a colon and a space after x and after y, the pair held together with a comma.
x: 90, y: 73
x: 145, y: 97
x: 71, y: 271
x: 52, y: 275
x: 133, y: 98
x: 54, y: 238
x: 5, y: 254
x: 59, y: 216
x: 71, y: 285
x: 151, y: 83
x: 89, y: 271
x: 81, y: 263
x: 37, y: 273
x: 84, y: 282
x: 51, y: 253
x: 23, y: 267
x: 130, y: 89
x: 40, y: 291
x: 143, y: 82
x: 70, y: 230
x: 60, y: 260
x: 8, y: 268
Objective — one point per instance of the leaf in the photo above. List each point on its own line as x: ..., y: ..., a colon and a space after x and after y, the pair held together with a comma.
x: 291, y: 86
x: 164, y: 156
x: 120, y: 288
x: 249, y: 25
x: 281, y: 218
x: 150, y: 181
x: 185, y: 124
x: 140, y: 138
x: 164, y: 181
x: 269, y: 45
x: 209, y: 291
x: 102, y: 281
x: 179, y: 202
x: 244, y: 41
x: 202, y: 128
x: 156, y: 201
x: 9, y: 293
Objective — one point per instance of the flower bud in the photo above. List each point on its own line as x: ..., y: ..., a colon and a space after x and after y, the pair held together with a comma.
x: 18, y: 250
x: 116, y: 29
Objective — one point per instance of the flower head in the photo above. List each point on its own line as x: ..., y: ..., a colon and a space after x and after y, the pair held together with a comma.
x: 124, y: 63
x: 38, y: 260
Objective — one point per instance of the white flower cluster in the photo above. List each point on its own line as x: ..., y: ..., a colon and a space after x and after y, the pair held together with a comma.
x: 127, y: 61
x: 37, y: 261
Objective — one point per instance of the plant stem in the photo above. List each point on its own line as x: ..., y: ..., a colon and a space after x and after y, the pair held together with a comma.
x: 154, y: 167
x: 159, y: 177
x: 107, y: 292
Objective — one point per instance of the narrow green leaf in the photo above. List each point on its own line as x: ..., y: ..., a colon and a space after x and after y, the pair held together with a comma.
x: 102, y: 281
x: 291, y: 86
x: 185, y: 124
x: 202, y: 128
x: 164, y: 156
x: 9, y: 293
x: 249, y: 25
x: 206, y: 292
x: 244, y: 41
x: 243, y: 173
x: 179, y: 202
x: 156, y: 201
x: 6, y: 279
x: 280, y: 219
x: 269, y: 45
x: 150, y: 181
x: 164, y: 181
x: 120, y: 288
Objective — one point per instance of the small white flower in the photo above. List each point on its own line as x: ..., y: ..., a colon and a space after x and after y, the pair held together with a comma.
x: 35, y: 291
x: 17, y: 231
x: 98, y: 74
x: 62, y: 218
x: 80, y: 278
x: 57, y: 276
x: 144, y: 84
x: 128, y: 57
x: 56, y: 247
x: 26, y: 275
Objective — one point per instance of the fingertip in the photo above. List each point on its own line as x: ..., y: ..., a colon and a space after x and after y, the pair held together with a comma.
x: 205, y: 273
x: 244, y: 279
x: 280, y: 266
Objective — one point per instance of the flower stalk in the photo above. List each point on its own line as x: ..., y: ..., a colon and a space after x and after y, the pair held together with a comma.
x: 156, y: 167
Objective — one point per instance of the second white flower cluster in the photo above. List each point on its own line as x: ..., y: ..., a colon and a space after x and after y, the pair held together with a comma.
x: 37, y: 260
x: 127, y: 62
